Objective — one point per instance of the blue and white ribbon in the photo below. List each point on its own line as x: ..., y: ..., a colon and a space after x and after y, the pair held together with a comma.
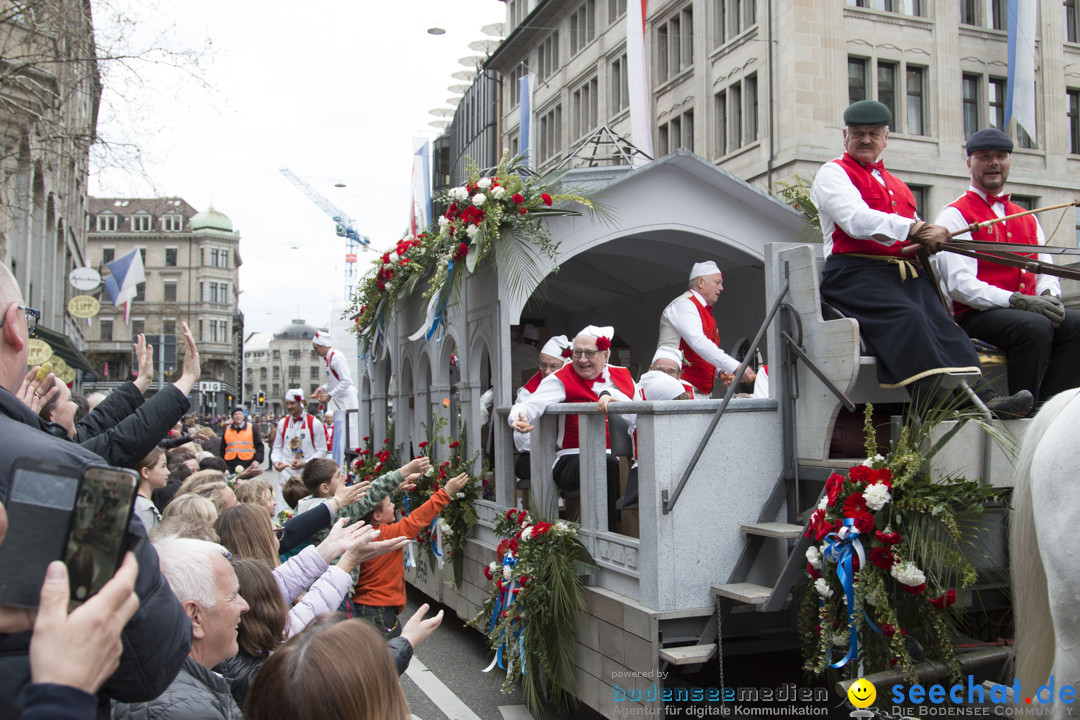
x: 436, y: 542
x: 840, y: 548
x: 502, y: 602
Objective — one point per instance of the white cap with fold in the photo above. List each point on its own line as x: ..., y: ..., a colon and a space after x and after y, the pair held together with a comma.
x: 666, y: 352
x: 322, y: 339
x: 703, y: 269
x: 602, y: 331
x: 555, y: 346
x: 294, y: 395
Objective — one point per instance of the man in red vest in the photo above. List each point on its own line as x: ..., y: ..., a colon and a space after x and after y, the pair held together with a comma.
x: 867, y: 218
x: 688, y: 325
x: 555, y: 353
x: 1015, y: 310
x: 586, y: 379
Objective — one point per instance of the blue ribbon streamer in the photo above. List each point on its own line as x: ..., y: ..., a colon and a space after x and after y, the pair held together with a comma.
x: 441, y: 302
x: 504, y: 599
x: 841, y: 548
x: 434, y: 529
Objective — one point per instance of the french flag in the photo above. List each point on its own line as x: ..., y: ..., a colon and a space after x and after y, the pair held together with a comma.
x: 122, y: 285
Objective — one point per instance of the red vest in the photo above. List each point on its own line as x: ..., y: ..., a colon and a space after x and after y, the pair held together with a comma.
x: 1021, y: 230
x: 239, y: 443
x: 894, y: 197
x: 701, y: 374
x: 578, y: 390
x: 534, y: 382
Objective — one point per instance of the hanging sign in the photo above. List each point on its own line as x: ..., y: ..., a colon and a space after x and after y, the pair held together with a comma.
x: 38, y: 351
x: 84, y: 278
x: 84, y: 306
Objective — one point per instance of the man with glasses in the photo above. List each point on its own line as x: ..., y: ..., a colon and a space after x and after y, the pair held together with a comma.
x: 32, y: 317
x: 158, y: 636
x: 688, y: 325
x: 588, y: 378
x: 553, y: 356
x: 667, y: 362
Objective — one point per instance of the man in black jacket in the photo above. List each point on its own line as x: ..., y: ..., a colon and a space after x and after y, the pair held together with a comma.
x: 158, y: 638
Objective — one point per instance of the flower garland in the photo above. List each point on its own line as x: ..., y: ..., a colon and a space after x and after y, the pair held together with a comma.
x: 501, y: 212
x: 530, y: 615
x: 445, y: 538
x: 879, y: 590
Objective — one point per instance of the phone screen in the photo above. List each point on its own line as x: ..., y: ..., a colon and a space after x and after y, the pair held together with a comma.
x: 98, y: 527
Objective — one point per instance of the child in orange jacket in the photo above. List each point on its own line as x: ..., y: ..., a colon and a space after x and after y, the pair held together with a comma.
x: 380, y: 589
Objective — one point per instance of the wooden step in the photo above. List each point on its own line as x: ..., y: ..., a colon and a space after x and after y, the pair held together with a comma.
x: 688, y: 654
x: 783, y: 531
x: 748, y: 593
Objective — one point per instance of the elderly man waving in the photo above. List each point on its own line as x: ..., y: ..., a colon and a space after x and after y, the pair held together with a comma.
x: 688, y: 325
x: 587, y: 378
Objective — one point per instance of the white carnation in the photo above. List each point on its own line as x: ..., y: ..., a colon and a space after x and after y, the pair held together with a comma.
x: 483, y: 183
x: 908, y: 574
x: 822, y: 587
x: 479, y: 199
x: 493, y: 567
x: 869, y: 462
x: 497, y: 192
x: 459, y: 496
x: 526, y: 533
x: 876, y: 496
x: 823, y: 502
x: 458, y: 193
x: 841, y: 639
x: 471, y: 230
x: 445, y: 529
x: 813, y: 556
x: 506, y: 572
x: 443, y: 222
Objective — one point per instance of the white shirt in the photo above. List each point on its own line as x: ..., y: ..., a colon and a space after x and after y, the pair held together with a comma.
x: 552, y: 391
x: 681, y: 319
x: 523, y: 441
x: 339, y: 382
x: 840, y: 204
x: 958, y: 274
x: 294, y: 442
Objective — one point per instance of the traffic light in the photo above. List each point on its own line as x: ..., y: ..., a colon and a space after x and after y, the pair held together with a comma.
x: 262, y: 400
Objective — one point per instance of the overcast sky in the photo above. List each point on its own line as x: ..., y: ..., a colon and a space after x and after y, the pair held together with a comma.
x: 334, y: 90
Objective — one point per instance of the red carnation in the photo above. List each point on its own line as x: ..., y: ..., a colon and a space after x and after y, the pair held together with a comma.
x: 567, y: 352
x: 887, y: 630
x: 603, y: 343
x: 423, y: 445
x: 462, y: 251
x: 913, y: 589
x: 519, y: 198
x: 511, y: 513
x: 883, y: 476
x: 386, y: 258
x: 864, y: 522
x: 945, y: 600
x: 546, y: 198
x: 454, y: 444
x: 487, y: 572
x: 860, y: 474
x: 514, y: 545
x: 541, y: 528
x: 523, y: 211
x: 882, y: 558
x: 854, y: 504
x: 888, y: 538
x: 813, y: 571
x: 501, y: 550
x: 833, y: 486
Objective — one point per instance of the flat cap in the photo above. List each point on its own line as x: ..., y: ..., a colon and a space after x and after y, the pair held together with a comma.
x: 867, y: 112
x: 989, y: 139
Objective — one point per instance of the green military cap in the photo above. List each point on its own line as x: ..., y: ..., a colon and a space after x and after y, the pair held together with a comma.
x: 867, y: 112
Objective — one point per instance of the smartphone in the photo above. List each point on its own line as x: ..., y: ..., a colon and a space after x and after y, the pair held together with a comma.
x: 40, y: 498
x: 96, y: 539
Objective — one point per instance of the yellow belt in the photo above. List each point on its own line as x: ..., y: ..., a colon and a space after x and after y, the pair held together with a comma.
x: 908, y: 266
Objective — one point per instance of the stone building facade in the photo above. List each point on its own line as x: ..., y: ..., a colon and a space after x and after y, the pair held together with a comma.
x: 277, y: 362
x: 191, y: 261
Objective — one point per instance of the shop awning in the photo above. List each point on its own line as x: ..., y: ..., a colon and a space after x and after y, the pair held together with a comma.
x: 62, y: 346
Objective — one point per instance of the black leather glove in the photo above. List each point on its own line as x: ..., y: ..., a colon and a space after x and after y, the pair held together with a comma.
x: 1046, y: 305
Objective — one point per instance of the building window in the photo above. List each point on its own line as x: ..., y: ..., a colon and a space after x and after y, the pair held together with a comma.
x: 1023, y: 139
x: 106, y: 223
x: 921, y: 193
x: 213, y: 331
x: 262, y: 373
x: 294, y: 354
x: 615, y: 10
x: 277, y: 373
x: 984, y: 13
x: 1072, y: 104
x: 168, y: 327
x: 106, y: 330
x: 142, y: 256
x: 550, y: 134
x: 750, y: 93
x: 170, y: 257
x: 970, y: 93
x: 1071, y: 34
x: 314, y: 373
x: 736, y: 116
x: 968, y: 12
x: 548, y: 56
x: 140, y: 292
x: 140, y: 223
x: 294, y: 372
x: 996, y: 101
x: 138, y: 327
x: 314, y: 355
x: 169, y: 292
x: 172, y: 223
x: 1025, y: 201
x: 886, y: 85
x: 513, y: 87
x: 916, y: 102
x: 721, y: 122
x: 584, y: 109
x: 856, y: 72
x: 676, y: 133
x: 582, y: 26
x: 620, y: 85
x: 998, y: 15
x: 675, y: 44
x: 107, y: 255
x: 732, y: 17
x: 516, y: 11
x: 219, y: 258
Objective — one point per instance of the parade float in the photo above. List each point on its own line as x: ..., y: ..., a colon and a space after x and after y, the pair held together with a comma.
x: 734, y: 491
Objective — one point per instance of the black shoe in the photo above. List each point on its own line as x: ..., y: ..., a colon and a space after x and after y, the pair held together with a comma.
x: 1011, y: 406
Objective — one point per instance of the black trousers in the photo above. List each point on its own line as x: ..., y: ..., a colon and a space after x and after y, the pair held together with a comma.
x: 567, y: 476
x: 1041, y: 359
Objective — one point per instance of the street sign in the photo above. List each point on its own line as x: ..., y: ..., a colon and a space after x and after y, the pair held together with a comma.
x: 84, y: 306
x: 208, y: 386
x: 84, y: 278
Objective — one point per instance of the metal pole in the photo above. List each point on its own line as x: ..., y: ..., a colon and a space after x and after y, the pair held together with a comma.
x: 161, y: 362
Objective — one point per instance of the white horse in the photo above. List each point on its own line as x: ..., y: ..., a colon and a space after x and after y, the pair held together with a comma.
x: 1045, y: 563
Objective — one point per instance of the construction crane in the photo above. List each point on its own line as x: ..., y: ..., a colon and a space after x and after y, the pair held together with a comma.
x: 345, y: 228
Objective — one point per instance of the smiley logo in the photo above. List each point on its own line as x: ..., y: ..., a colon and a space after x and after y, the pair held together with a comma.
x: 862, y: 693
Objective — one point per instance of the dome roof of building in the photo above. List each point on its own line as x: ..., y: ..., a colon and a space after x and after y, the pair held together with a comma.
x: 211, y: 219
x: 296, y: 330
